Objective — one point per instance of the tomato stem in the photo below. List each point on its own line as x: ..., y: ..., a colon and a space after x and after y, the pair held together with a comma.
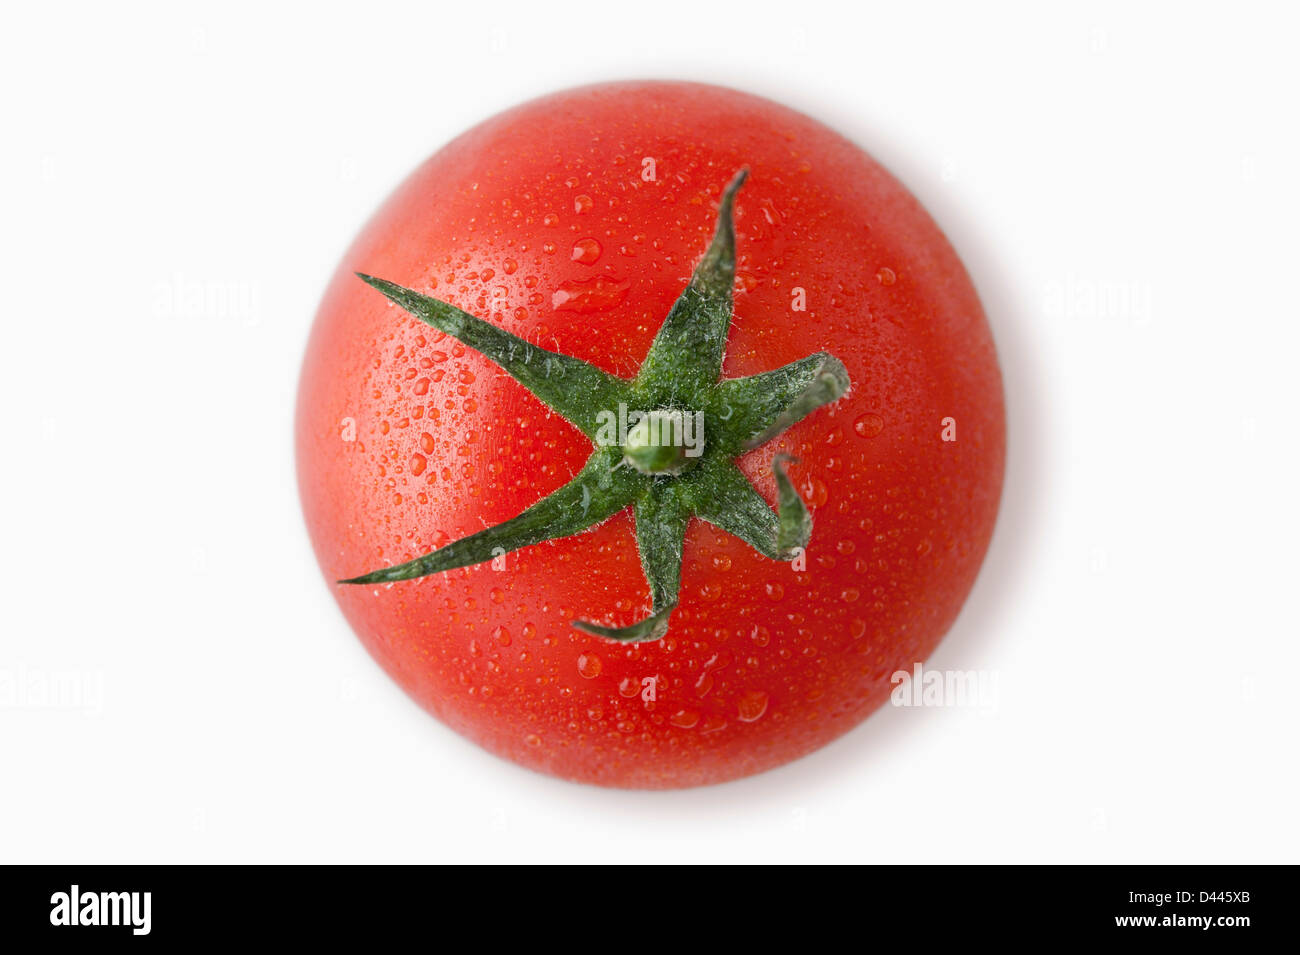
x: 682, y: 429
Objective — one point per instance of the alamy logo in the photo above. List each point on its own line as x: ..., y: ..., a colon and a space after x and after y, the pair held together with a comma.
x: 928, y: 687
x: 663, y: 428
x: 102, y: 908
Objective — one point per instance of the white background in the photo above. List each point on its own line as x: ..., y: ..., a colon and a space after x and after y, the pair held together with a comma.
x: 176, y: 188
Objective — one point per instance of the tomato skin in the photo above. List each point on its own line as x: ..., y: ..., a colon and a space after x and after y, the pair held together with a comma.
x: 544, y: 208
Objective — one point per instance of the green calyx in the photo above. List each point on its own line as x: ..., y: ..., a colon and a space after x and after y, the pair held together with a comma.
x: 665, y: 441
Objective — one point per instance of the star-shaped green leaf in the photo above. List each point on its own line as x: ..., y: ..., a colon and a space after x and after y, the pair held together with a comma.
x: 677, y: 462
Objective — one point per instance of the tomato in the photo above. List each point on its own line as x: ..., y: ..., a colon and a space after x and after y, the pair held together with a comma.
x: 575, y: 223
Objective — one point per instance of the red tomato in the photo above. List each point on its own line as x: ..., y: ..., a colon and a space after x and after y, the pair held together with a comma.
x: 575, y: 221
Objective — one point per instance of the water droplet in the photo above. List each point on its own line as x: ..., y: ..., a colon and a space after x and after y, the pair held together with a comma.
x: 774, y: 591
x: 426, y: 442
x: 685, y: 719
x: 582, y: 203
x: 713, y: 724
x: 501, y: 635
x: 629, y: 687
x: 509, y: 266
x: 586, y: 251
x: 417, y: 464
x: 869, y: 425
x: 719, y: 660
x: 751, y: 706
x: 589, y: 665
x: 815, y: 492
x: 886, y: 276
x: 589, y: 295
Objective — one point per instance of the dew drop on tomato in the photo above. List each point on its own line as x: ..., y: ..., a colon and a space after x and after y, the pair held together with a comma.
x: 869, y: 425
x: 586, y: 251
x: 713, y: 724
x: 589, y: 295
x: 589, y: 665
x: 685, y: 719
x: 751, y: 706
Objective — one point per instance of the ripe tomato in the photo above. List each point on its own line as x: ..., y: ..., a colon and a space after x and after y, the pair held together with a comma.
x: 574, y: 222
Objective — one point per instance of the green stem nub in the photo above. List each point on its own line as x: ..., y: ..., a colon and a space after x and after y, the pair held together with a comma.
x: 665, y: 442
